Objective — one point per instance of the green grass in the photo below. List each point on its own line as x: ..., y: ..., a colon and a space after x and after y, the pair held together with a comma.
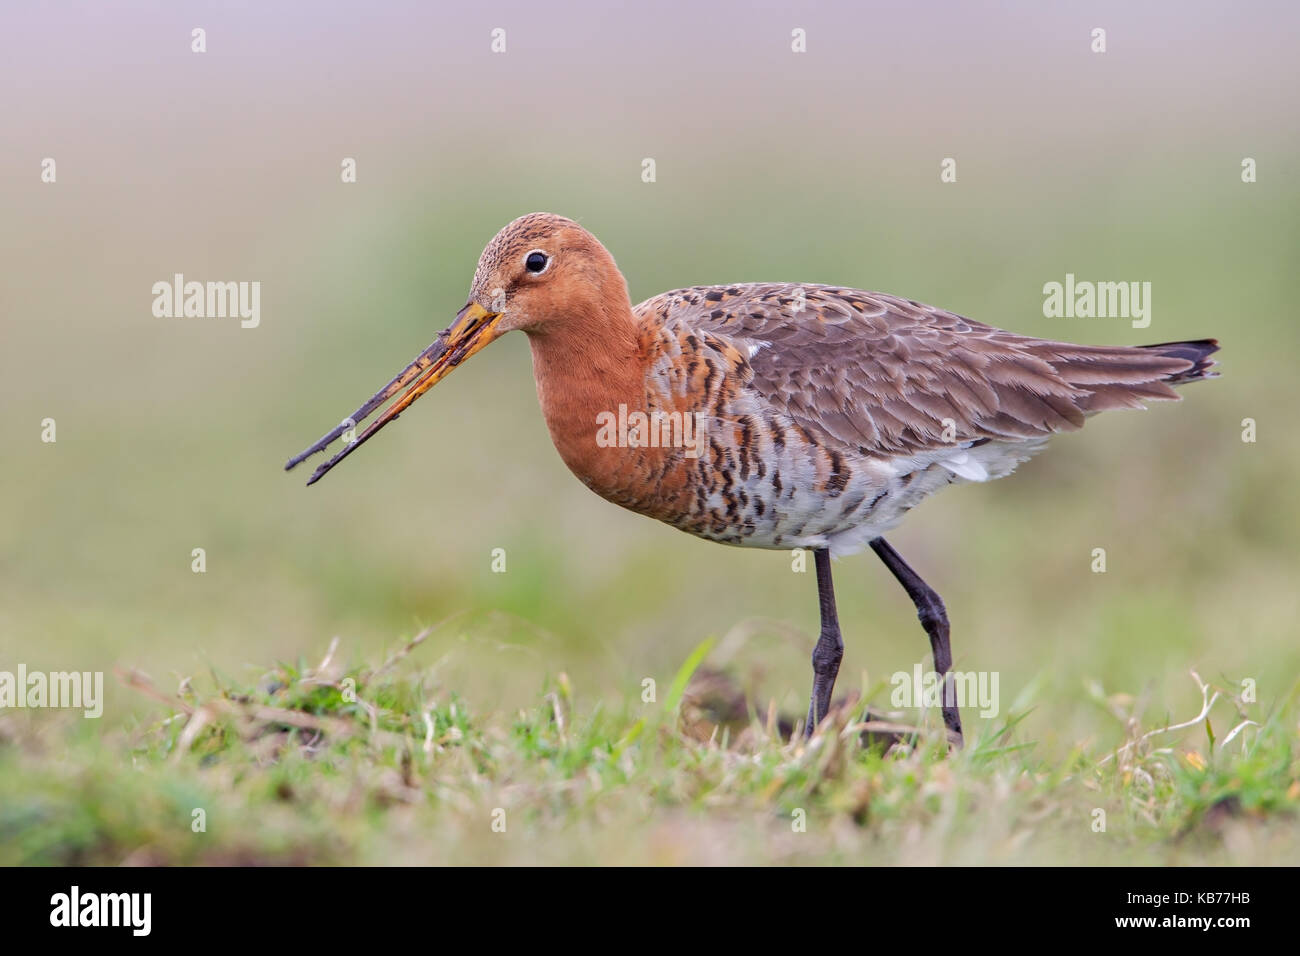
x: 387, y: 764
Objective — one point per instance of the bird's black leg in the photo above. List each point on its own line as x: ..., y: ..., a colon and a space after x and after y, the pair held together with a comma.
x: 934, y: 618
x: 830, y: 648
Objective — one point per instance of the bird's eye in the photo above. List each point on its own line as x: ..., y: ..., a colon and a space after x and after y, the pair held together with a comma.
x: 535, y: 262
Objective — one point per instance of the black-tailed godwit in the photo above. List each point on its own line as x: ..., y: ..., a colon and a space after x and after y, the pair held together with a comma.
x: 775, y: 415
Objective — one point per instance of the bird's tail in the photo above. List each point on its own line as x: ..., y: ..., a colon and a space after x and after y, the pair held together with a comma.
x: 1197, y: 352
x: 1127, y: 376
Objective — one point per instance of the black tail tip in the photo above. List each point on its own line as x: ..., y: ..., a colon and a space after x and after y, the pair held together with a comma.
x: 1196, y: 351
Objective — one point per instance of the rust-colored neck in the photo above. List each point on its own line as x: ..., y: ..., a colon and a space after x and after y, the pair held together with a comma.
x: 590, y: 362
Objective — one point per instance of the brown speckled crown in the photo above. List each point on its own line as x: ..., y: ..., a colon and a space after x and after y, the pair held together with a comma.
x: 510, y: 244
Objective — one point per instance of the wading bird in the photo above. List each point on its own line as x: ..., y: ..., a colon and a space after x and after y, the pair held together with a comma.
x: 823, y: 415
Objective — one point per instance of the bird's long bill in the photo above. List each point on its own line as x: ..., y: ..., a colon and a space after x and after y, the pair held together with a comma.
x: 474, y: 328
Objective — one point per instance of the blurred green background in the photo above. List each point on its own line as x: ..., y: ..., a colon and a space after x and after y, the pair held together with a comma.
x: 771, y: 165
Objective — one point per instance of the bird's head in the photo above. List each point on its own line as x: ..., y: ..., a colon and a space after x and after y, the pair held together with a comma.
x: 541, y: 274
x: 541, y: 270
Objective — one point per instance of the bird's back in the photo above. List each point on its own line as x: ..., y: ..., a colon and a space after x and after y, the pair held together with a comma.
x: 829, y: 412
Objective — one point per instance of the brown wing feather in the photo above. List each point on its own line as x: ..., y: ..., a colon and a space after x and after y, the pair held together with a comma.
x: 883, y: 374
